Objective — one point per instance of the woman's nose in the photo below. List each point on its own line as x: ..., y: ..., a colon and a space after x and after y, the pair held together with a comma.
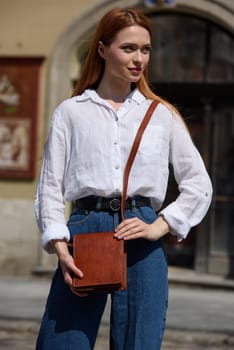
x: 138, y: 56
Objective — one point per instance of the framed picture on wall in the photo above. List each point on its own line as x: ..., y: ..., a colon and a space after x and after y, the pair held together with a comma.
x: 19, y: 83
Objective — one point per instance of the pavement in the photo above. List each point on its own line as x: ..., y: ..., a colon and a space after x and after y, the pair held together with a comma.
x: 201, y: 306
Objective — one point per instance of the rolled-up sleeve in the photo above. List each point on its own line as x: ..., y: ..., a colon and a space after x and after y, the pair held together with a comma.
x: 49, y: 202
x: 194, y: 184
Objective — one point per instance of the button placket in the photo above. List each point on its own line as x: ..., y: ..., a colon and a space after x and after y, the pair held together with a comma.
x: 116, y: 154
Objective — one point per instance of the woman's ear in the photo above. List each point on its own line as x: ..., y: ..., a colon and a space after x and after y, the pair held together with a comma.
x: 101, y: 49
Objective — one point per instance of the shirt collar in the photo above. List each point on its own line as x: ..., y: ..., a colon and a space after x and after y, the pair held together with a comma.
x: 136, y: 96
x: 90, y: 94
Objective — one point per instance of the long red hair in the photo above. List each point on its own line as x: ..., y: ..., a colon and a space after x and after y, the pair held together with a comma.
x: 110, y: 24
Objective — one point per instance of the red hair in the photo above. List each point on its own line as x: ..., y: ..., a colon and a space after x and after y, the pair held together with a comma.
x: 110, y: 24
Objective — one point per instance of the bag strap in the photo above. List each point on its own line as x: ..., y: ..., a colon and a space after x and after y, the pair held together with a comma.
x: 133, y: 152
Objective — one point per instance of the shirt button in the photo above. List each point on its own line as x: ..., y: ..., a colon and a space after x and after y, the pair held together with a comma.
x: 117, y: 166
x: 116, y: 143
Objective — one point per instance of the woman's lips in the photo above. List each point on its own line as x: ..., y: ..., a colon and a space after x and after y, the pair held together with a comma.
x: 135, y: 71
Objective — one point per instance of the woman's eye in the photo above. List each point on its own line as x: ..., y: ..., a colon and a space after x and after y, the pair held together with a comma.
x: 128, y: 49
x: 146, y: 49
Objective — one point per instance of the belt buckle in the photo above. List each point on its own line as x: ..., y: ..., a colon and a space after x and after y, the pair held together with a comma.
x: 115, y: 204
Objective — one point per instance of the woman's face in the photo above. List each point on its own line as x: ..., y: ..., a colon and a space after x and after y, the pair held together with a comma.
x: 128, y: 55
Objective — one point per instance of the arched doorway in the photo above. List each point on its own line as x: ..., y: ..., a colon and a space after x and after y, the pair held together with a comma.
x: 192, y: 65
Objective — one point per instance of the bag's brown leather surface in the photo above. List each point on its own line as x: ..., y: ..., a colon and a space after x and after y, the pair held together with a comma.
x: 102, y: 259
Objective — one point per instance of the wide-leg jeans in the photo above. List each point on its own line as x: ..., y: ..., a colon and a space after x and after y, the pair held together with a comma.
x: 138, y: 314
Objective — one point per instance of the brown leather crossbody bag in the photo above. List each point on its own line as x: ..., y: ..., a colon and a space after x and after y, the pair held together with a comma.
x: 99, y: 255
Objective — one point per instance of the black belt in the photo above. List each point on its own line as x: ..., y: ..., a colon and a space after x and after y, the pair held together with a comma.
x: 110, y: 204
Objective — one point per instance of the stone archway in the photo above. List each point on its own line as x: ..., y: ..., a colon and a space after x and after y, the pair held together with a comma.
x: 220, y: 11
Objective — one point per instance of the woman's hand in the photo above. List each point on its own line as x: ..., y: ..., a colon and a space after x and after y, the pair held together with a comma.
x: 67, y: 265
x: 135, y: 228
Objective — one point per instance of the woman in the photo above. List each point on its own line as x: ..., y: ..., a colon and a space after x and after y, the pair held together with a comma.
x: 88, y: 145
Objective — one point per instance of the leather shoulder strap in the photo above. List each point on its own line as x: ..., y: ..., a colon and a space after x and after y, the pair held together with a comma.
x: 133, y: 152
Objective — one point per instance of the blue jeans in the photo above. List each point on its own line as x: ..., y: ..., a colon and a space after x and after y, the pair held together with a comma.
x: 138, y: 313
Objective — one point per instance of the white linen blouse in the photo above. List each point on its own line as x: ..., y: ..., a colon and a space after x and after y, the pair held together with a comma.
x: 86, y: 152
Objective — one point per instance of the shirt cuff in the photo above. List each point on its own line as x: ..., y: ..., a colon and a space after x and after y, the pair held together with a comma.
x: 177, y: 221
x: 54, y: 231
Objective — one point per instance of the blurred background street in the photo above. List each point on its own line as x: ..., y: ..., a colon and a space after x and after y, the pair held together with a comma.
x: 200, y: 313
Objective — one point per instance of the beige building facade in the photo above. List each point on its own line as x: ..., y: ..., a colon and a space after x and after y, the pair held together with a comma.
x: 53, y: 35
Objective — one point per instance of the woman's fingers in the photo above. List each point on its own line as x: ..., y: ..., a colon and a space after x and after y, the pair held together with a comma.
x: 136, y: 228
x: 132, y: 229
x: 69, y: 270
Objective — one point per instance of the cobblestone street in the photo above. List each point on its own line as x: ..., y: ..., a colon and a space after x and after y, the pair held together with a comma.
x: 21, y: 335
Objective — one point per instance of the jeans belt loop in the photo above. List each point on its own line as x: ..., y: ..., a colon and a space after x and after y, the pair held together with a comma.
x: 99, y: 203
x: 134, y: 208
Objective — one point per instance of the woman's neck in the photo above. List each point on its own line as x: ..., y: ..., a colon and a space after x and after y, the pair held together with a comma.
x: 113, y: 92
